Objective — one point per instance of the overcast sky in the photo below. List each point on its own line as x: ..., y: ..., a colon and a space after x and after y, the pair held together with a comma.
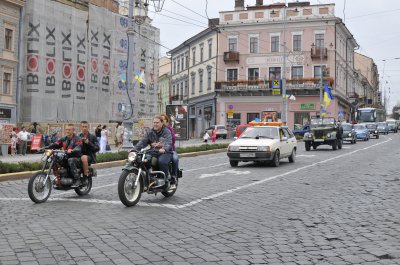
x: 374, y: 24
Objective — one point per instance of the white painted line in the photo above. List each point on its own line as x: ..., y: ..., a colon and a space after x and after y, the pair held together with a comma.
x: 226, y: 172
x: 305, y: 155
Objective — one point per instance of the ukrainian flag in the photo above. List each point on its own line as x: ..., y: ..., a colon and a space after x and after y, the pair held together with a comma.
x: 327, y: 96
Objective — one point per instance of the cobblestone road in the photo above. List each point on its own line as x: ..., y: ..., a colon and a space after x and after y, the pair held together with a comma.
x: 330, y: 207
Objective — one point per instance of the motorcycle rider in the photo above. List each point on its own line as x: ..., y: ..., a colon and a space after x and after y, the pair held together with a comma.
x: 73, y: 145
x: 160, y: 139
x: 90, y: 146
x: 175, y: 158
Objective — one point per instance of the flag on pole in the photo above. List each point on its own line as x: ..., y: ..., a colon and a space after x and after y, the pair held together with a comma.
x: 140, y: 77
x: 327, y: 96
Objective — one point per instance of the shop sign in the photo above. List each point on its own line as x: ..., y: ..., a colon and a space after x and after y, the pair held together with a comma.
x: 307, y: 106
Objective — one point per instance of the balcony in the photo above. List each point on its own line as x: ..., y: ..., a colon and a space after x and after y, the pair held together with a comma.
x: 266, y: 85
x: 176, y: 99
x: 231, y: 57
x: 317, y: 52
x: 352, y: 95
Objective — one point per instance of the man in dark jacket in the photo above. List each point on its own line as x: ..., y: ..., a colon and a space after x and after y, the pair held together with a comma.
x: 160, y: 139
x: 90, y: 146
x: 73, y: 145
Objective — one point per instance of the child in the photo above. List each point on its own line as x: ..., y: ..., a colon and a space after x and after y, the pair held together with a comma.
x: 214, y: 135
x: 206, y: 136
x: 14, y: 140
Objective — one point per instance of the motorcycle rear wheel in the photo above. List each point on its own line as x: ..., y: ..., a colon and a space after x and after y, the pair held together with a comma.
x: 129, y: 195
x: 171, y: 191
x: 84, y: 190
x: 37, y: 190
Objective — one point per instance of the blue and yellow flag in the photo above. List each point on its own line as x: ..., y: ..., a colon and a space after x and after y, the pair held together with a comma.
x: 140, y: 77
x: 327, y: 96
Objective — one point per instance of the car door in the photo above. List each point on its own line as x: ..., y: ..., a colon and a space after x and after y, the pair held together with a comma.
x: 285, y: 148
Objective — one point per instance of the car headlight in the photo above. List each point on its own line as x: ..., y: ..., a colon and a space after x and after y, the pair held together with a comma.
x: 376, y: 131
x: 48, y: 152
x: 132, y: 156
x: 233, y: 148
x: 264, y: 148
x: 350, y: 134
x: 328, y: 135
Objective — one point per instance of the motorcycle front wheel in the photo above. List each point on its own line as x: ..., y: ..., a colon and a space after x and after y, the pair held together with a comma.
x: 171, y: 191
x: 84, y: 189
x: 38, y: 190
x: 128, y: 193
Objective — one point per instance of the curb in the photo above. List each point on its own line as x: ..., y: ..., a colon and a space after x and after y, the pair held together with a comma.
x: 118, y: 163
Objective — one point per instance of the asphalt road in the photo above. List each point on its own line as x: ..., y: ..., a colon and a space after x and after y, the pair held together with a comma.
x: 329, y: 207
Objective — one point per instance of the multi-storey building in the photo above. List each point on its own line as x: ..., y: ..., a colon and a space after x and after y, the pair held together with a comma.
x: 194, y: 73
x: 368, y: 71
x: 305, y: 44
x: 10, y: 19
x: 164, y: 83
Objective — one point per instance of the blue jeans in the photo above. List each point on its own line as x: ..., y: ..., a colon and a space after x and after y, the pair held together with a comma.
x: 163, y: 161
x: 175, y: 163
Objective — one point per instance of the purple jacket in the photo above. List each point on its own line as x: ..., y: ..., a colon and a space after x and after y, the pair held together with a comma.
x: 173, y: 137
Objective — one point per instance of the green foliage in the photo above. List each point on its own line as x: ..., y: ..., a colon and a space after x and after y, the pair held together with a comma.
x: 6, y: 168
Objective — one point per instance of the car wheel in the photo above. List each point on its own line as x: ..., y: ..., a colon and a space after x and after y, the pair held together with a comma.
x: 292, y: 157
x: 314, y: 146
x: 334, y: 145
x: 233, y: 163
x: 377, y: 136
x: 308, y: 146
x: 275, y: 161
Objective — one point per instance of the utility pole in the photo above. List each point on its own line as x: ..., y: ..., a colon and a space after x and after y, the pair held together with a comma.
x: 284, y: 100
x: 322, y: 83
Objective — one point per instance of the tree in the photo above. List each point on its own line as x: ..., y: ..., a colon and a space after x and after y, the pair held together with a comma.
x: 396, y: 112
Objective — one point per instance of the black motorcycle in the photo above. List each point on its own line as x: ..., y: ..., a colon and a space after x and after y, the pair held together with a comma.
x: 140, y: 175
x: 56, y: 174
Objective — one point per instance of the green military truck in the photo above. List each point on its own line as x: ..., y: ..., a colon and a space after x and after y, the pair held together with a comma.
x: 324, y: 131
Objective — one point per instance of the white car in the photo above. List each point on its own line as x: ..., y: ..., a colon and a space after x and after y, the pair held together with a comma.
x: 263, y: 143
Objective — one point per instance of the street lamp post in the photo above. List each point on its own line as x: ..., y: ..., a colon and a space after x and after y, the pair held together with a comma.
x: 284, y: 100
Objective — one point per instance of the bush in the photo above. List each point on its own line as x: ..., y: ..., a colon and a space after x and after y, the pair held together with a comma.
x: 108, y: 157
x: 203, y: 147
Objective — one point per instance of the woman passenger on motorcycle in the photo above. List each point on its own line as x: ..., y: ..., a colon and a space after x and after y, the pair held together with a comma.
x: 175, y: 158
x: 160, y: 139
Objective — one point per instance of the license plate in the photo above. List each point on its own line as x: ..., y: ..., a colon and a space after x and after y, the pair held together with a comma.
x: 247, y: 155
x: 318, y: 140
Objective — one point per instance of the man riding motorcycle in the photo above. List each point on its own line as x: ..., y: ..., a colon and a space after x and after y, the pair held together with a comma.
x: 160, y: 140
x: 90, y: 146
x: 73, y: 145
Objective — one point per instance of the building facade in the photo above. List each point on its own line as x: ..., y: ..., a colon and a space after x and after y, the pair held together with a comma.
x: 305, y: 44
x: 164, y: 84
x: 194, y: 73
x: 10, y: 19
x: 367, y: 70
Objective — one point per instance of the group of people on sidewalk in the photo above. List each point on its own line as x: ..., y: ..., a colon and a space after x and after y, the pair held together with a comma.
x: 20, y: 137
x: 102, y: 135
x: 206, y: 136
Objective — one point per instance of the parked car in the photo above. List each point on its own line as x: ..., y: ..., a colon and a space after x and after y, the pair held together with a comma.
x: 361, y: 131
x: 348, y: 133
x: 302, y: 131
x: 263, y: 143
x: 392, y: 125
x: 241, y: 128
x: 383, y: 127
x: 373, y: 129
x: 222, y: 132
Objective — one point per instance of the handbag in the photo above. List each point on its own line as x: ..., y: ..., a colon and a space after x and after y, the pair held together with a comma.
x: 108, y: 148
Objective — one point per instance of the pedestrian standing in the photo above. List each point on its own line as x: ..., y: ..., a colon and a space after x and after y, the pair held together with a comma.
x: 119, y: 136
x: 14, y: 140
x: 23, y: 138
x: 206, y: 136
x: 103, y: 139
x: 97, y: 132
x: 214, y: 135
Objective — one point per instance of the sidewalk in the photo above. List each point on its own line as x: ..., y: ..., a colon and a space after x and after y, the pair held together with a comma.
x: 37, y: 157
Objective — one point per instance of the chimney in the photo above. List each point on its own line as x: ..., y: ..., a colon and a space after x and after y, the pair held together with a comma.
x: 259, y: 2
x: 239, y: 5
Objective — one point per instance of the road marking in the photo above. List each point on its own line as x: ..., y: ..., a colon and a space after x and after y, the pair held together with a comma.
x: 213, y: 196
x: 200, y: 168
x: 305, y: 155
x: 221, y: 173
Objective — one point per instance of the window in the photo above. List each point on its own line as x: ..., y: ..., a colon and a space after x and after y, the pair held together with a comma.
x: 296, y: 42
x: 8, y: 38
x: 233, y: 44
x: 186, y: 61
x: 275, y: 44
x: 201, y: 82
x: 209, y: 49
x: 193, y: 83
x: 297, y: 72
x: 182, y: 62
x: 186, y: 88
x: 274, y: 73
x: 179, y: 65
x: 174, y: 66
x: 201, y: 54
x: 173, y: 90
x: 253, y: 44
x: 6, y: 83
x: 301, y: 118
x: 181, y: 94
x: 194, y: 57
x: 252, y: 116
x: 319, y: 40
x: 209, y: 79
x: 253, y: 74
x: 317, y: 71
x: 235, y: 121
x: 232, y: 74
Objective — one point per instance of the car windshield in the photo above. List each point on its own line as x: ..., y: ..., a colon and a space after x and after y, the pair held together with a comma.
x: 359, y: 127
x: 391, y: 122
x: 347, y: 127
x: 220, y: 127
x: 371, y: 126
x: 381, y: 124
x: 322, y: 121
x: 261, y: 132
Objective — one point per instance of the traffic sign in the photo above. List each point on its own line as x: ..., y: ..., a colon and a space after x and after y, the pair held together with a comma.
x: 276, y: 83
x: 230, y: 112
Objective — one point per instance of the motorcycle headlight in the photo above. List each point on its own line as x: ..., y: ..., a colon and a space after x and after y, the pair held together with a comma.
x: 132, y: 156
x: 350, y: 134
x: 233, y: 148
x: 48, y: 152
x: 264, y: 148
